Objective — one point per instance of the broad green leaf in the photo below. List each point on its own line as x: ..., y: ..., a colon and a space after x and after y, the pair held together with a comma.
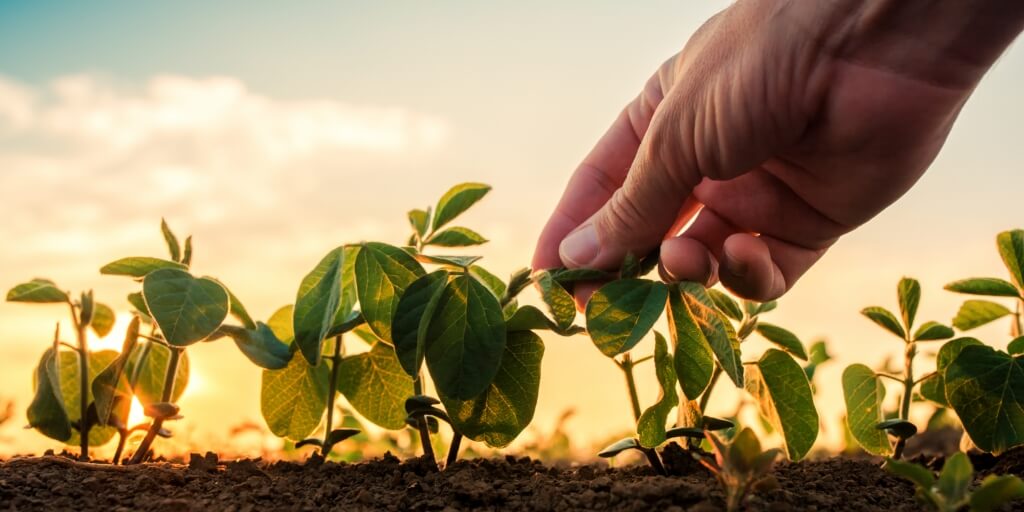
x: 715, y: 328
x: 112, y: 383
x: 69, y: 366
x: 693, y: 358
x: 991, y: 286
x: 1011, y: 249
x: 491, y: 281
x: 756, y: 308
x: 934, y: 387
x: 383, y: 272
x: 785, y: 340
x: 622, y: 312
x: 984, y: 387
x: 955, y: 477
x: 102, y: 319
x: 564, y: 276
x: 995, y: 491
x: 864, y: 392
x: 560, y: 303
x: 187, y: 309
x: 784, y: 397
x: 348, y: 298
x: 909, y: 293
x: 147, y: 372
x: 885, y: 319
x: 502, y: 412
x: 280, y: 324
x: 465, y: 339
x: 412, y: 317
x: 260, y: 345
x: 975, y: 313
x: 46, y: 413
x: 376, y: 386
x: 316, y: 304
x: 651, y: 426
x: 1016, y: 347
x: 726, y: 304
x: 915, y: 473
x: 294, y: 399
x: 457, y: 237
x: 419, y: 220
x: 457, y: 200
x: 462, y: 262
x: 172, y: 241
x: 932, y: 331
x: 238, y: 309
x: 139, y: 303
x: 37, y: 290
x: 138, y: 266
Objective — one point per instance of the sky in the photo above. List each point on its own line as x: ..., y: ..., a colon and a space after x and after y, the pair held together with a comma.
x: 273, y: 134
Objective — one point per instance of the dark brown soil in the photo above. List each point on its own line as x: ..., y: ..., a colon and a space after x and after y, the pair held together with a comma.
x: 57, y: 483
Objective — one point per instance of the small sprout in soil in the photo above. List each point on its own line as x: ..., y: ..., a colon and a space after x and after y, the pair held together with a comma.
x: 951, y: 492
x: 741, y: 466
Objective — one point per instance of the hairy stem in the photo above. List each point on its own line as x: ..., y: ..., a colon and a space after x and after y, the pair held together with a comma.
x: 332, y: 394
x: 158, y: 423
x: 627, y: 368
x: 83, y: 373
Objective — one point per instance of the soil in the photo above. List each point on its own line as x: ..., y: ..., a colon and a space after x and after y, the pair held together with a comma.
x: 54, y: 482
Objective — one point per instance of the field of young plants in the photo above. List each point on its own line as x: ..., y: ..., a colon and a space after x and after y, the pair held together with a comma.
x: 435, y: 349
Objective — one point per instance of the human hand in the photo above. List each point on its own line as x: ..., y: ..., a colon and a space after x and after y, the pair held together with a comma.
x: 780, y: 127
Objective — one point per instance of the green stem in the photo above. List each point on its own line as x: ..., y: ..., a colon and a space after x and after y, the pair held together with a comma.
x: 332, y: 395
x: 83, y: 373
x: 158, y: 423
x: 908, y: 392
x: 627, y: 368
x: 453, y: 450
x: 421, y: 426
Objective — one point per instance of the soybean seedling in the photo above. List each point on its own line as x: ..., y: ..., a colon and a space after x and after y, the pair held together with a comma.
x: 740, y: 466
x: 184, y: 310
x: 950, y: 492
x: 863, y: 388
x: 975, y: 313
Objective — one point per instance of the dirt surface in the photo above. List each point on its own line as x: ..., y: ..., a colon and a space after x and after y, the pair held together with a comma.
x: 57, y: 483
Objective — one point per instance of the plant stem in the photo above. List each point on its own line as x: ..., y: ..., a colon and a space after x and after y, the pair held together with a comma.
x: 421, y: 426
x: 122, y: 437
x: 83, y: 382
x: 158, y: 423
x: 1018, y: 320
x: 908, y: 391
x: 627, y: 368
x: 332, y: 395
x: 453, y: 450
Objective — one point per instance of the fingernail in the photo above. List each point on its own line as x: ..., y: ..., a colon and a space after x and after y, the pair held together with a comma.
x: 734, y: 265
x: 580, y: 248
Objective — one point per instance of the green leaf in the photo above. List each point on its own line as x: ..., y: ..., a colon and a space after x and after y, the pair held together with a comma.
x: 376, y: 386
x: 784, y: 397
x: 756, y: 308
x: 260, y: 345
x: 465, y: 339
x: 919, y: 475
x: 564, y: 276
x: 348, y: 298
x: 651, y: 426
x: 1016, y: 347
x: 864, y: 392
x: 38, y: 291
x: 46, y: 413
x: 138, y: 266
x: 462, y: 262
x: 529, y: 318
x: 419, y: 220
x: 102, y: 319
x: 932, y: 331
x: 456, y: 237
x: 991, y: 286
x: 1011, y: 249
x: 280, y: 324
x: 975, y: 313
x: 909, y: 293
x: 294, y: 399
x: 412, y: 317
x: 885, y: 319
x: 984, y: 387
x: 715, y: 328
x: 955, y: 477
x: 316, y: 304
x: 172, y: 241
x: 785, y: 340
x: 147, y: 372
x: 112, y: 383
x: 618, y: 447
x: 186, y: 257
x: 506, y: 407
x: 726, y: 304
x: 238, y: 310
x: 69, y: 366
x: 187, y: 309
x: 139, y: 303
x: 457, y: 200
x: 934, y: 388
x: 622, y: 312
x: 995, y: 491
x: 558, y: 300
x: 383, y: 272
x: 694, y: 359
